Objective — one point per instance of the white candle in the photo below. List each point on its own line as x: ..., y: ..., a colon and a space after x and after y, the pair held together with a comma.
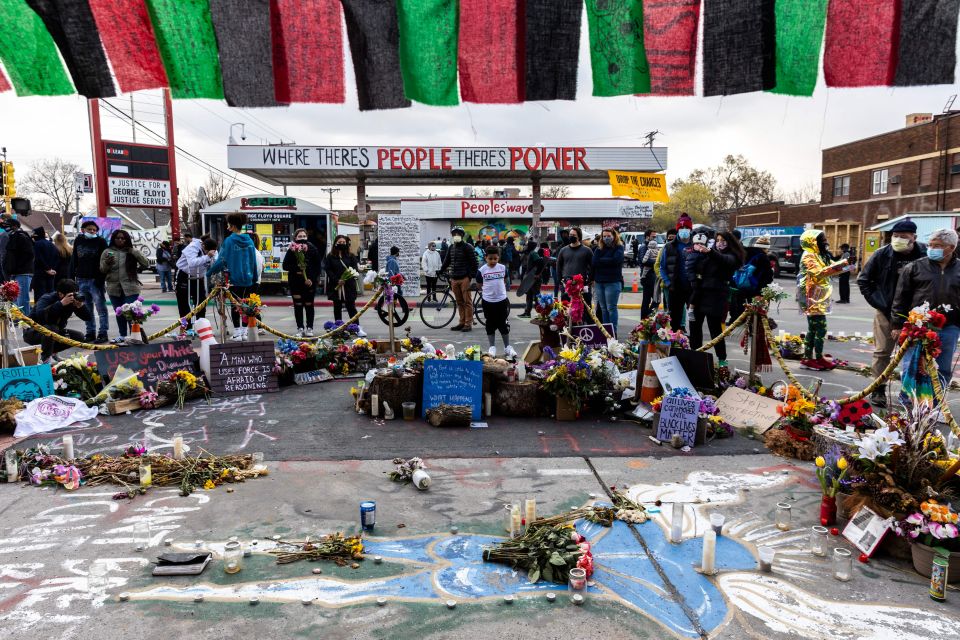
x: 869, y: 334
x: 375, y: 405
x: 488, y: 403
x: 521, y: 371
x: 530, y: 510
x: 858, y: 334
x: 781, y: 333
x: 68, y: 447
x: 708, y: 561
x: 178, y: 448
x: 516, y: 528
x: 676, y: 522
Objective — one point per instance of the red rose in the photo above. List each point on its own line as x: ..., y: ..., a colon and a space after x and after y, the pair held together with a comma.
x: 938, y: 319
x: 931, y: 335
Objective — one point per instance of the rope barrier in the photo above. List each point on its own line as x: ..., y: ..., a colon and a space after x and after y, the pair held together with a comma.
x: 594, y: 317
x: 783, y: 365
x: 882, y: 379
x: 726, y: 332
x: 202, y: 305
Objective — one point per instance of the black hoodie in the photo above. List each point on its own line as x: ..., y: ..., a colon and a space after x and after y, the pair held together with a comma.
x: 85, y: 262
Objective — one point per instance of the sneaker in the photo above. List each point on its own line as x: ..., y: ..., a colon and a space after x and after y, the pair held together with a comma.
x: 360, y: 332
x: 90, y: 337
x: 299, y: 333
x: 309, y: 332
x: 826, y: 365
x: 510, y: 352
x: 524, y: 315
x: 238, y: 335
x: 809, y: 363
x: 492, y: 352
x: 261, y: 331
x: 119, y: 340
x: 458, y: 327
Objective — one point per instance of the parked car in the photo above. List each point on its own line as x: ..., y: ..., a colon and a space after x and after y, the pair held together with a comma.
x: 787, y: 251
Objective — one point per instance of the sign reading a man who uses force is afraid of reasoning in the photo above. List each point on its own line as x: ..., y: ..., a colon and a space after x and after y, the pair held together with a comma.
x: 240, y: 368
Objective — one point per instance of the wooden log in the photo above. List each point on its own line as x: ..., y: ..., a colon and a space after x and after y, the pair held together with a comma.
x: 396, y: 390
x: 450, y: 415
x: 515, y: 399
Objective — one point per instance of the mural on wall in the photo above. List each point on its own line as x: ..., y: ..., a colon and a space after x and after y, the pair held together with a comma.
x: 501, y: 229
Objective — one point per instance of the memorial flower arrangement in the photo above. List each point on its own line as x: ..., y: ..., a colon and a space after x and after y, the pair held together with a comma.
x: 568, y: 375
x: 934, y: 525
x: 76, y: 377
x: 551, y: 312
x: 650, y: 328
x: 922, y: 325
x: 574, y: 288
x: 797, y: 414
x: 790, y: 346
x: 251, y: 306
x: 148, y: 399
x: 470, y: 353
x: 831, y: 471
x: 338, y: 332
x: 299, y: 357
x: 184, y: 383
x: 9, y: 292
x: 300, y: 250
x: 135, y: 313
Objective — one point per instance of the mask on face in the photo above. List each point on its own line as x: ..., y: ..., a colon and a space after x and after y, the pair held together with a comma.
x: 935, y: 254
x: 900, y: 245
x: 342, y: 245
x: 301, y: 239
x: 683, y: 234
x: 457, y: 239
x: 574, y: 239
x: 608, y: 241
x: 88, y: 235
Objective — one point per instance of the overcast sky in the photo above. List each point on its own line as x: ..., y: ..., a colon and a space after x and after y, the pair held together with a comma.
x: 781, y: 134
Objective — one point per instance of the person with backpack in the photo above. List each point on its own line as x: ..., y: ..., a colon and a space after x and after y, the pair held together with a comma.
x: 238, y: 258
x: 648, y: 279
x: 814, y: 293
x: 532, y: 277
x: 674, y: 273
x: 750, y: 279
x: 711, y: 270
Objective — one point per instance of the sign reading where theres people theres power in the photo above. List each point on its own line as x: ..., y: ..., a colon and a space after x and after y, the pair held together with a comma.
x: 678, y: 416
x: 240, y: 368
x: 589, y: 334
x: 456, y: 382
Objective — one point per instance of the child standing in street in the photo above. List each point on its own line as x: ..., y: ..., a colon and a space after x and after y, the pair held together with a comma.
x: 496, y: 307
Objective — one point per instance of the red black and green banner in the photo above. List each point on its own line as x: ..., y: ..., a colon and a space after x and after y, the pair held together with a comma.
x: 259, y: 53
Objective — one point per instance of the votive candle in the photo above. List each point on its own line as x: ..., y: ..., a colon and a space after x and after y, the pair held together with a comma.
x: 676, y: 522
x: 68, y: 447
x: 375, y: 405
x: 178, y: 447
x: 708, y: 560
x: 530, y: 510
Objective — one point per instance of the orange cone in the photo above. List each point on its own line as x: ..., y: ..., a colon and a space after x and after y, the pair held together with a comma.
x: 650, y: 390
x: 636, y: 282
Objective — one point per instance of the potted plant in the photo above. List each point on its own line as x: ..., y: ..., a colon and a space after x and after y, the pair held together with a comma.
x: 570, y: 379
x: 551, y: 316
x: 933, y: 531
x: 831, y: 470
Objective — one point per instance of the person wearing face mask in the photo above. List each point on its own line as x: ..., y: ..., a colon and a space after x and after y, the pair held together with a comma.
x: 430, y: 262
x: 303, y: 282
x: 120, y: 264
x: 814, y: 292
x: 711, y: 271
x: 343, y: 295
x: 575, y: 259
x: 238, y: 257
x: 608, y: 275
x: 673, y: 260
x: 88, y: 246
x: 757, y: 272
x: 934, y: 280
x: 461, y: 263
x: 878, y: 284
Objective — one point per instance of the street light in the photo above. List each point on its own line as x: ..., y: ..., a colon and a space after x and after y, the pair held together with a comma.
x: 243, y: 132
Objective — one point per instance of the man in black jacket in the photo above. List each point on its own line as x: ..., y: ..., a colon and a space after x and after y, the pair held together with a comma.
x: 53, y: 311
x: 461, y: 261
x: 45, y: 261
x: 878, y: 284
x: 85, y: 267
x: 18, y: 262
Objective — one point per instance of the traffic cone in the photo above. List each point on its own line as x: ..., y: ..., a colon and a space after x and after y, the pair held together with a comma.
x: 650, y: 390
x: 636, y: 282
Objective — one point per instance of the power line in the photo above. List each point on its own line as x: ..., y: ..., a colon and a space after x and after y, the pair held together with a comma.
x: 264, y: 124
x: 217, y: 115
x: 184, y: 153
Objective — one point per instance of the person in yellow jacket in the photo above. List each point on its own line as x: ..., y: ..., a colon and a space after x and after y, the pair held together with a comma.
x: 814, y: 292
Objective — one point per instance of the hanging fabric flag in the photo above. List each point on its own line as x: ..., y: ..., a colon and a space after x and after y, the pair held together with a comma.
x: 861, y: 43
x: 188, y: 47
x: 428, y: 50
x: 4, y: 83
x: 800, y: 25
x: 71, y: 24
x: 616, y: 47
x: 552, y: 44
x: 738, y: 46
x: 29, y: 53
x: 307, y: 51
x: 928, y: 42
x: 490, y: 56
x: 127, y: 36
x: 375, y: 50
x: 242, y: 28
x: 670, y: 35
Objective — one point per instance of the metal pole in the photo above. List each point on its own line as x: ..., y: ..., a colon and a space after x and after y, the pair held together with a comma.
x: 536, y: 209
x: 99, y: 158
x: 172, y: 162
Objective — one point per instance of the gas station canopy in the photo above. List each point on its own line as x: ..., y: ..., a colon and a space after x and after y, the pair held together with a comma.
x: 298, y: 165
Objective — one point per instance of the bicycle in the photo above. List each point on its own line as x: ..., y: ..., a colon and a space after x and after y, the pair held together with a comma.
x: 441, y: 311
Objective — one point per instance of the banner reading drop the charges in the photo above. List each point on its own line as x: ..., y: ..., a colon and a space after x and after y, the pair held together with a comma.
x: 649, y: 187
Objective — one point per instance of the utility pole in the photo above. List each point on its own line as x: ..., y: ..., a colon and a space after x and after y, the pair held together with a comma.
x: 331, y: 191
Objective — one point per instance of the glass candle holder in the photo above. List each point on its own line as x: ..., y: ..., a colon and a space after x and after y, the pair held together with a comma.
x: 409, y: 410
x: 97, y: 575
x: 141, y: 534
x: 10, y: 463
x: 676, y: 522
x: 842, y: 564
x: 146, y: 476
x: 818, y: 541
x: 232, y: 557
x: 716, y: 522
x: 783, y: 516
x: 766, y: 558
x: 577, y: 584
x: 258, y: 457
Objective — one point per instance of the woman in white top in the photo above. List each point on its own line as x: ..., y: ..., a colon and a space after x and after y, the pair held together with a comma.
x: 259, y: 273
x: 430, y: 262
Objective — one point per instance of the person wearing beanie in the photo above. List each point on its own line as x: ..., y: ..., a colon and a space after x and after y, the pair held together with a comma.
x: 673, y: 261
x: 814, y: 292
x: 878, y: 284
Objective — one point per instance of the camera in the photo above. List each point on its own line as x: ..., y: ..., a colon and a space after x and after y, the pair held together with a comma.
x: 79, y: 297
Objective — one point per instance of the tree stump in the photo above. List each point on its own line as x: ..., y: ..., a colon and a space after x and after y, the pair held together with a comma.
x: 450, y: 415
x: 396, y: 390
x: 515, y: 399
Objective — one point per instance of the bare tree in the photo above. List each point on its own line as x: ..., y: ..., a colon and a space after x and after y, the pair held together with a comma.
x: 733, y: 185
x: 555, y: 191
x: 807, y: 192
x: 219, y: 187
x: 52, y: 184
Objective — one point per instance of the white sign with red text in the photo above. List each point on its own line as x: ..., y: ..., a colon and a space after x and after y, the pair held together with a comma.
x: 520, y: 208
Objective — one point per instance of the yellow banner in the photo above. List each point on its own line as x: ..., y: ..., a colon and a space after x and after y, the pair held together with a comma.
x: 649, y: 187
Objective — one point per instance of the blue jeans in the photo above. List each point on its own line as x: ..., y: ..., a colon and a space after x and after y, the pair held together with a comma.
x: 95, y: 297
x: 23, y: 300
x: 948, y: 341
x: 608, y: 295
x: 166, y: 280
x: 117, y: 301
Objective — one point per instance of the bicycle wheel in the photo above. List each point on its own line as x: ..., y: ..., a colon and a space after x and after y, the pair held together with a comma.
x: 437, y: 315
x: 401, y: 311
x: 478, y: 309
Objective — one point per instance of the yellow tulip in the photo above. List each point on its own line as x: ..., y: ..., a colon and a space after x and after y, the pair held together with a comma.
x: 820, y: 461
x: 842, y: 464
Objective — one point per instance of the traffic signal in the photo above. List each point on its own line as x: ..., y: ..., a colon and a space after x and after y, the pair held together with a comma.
x: 9, y: 183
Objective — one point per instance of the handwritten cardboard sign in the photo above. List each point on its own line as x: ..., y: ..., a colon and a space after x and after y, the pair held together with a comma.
x: 154, y: 362
x: 457, y: 382
x: 678, y: 416
x: 239, y: 368
x: 742, y: 409
x: 672, y: 376
x: 26, y: 383
x: 403, y: 232
x: 590, y: 336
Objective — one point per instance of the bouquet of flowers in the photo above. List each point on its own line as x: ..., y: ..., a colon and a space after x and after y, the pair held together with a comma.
x: 148, y: 399
x: 9, y: 292
x: 76, y: 377
x: 934, y: 524
x: 790, y: 346
x: 343, y: 333
x: 251, y: 306
x: 650, y: 327
x: 554, y: 313
x: 298, y: 356
x: 349, y: 274
x: 135, y: 313
x: 470, y: 353
x: 798, y: 413
x: 568, y: 375
x: 546, y: 551
x: 831, y: 471
x: 922, y: 325
x: 184, y: 383
x: 300, y: 253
